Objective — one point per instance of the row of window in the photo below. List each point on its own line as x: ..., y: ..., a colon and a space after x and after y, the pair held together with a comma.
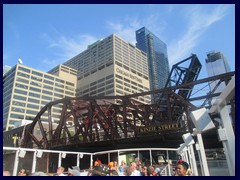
x: 106, y: 93
x: 31, y: 88
x: 37, y: 100
x: 43, y: 77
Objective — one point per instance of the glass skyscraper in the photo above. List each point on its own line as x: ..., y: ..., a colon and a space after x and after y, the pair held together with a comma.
x: 156, y: 51
x: 216, y: 63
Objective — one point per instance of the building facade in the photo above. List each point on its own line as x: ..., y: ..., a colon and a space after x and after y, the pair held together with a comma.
x: 156, y: 51
x: 111, y: 67
x: 26, y: 91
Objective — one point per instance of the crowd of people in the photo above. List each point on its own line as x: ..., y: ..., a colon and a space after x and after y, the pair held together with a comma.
x: 113, y: 169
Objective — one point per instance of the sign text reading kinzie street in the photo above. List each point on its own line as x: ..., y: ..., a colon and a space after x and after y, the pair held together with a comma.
x: 158, y: 128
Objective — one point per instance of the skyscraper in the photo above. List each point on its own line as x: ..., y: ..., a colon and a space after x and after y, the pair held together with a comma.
x: 156, y: 51
x: 216, y: 63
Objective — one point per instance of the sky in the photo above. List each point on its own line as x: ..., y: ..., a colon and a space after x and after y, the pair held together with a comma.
x: 45, y: 35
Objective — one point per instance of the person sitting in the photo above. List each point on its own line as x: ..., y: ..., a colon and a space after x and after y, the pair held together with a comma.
x: 6, y: 173
x: 60, y: 171
x: 73, y: 172
x: 182, y: 168
x: 23, y: 172
x: 98, y: 161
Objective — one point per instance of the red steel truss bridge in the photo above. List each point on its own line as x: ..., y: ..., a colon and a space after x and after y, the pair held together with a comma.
x: 116, y: 120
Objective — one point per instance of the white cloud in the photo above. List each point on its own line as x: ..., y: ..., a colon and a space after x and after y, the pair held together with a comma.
x: 198, y: 19
x: 67, y: 47
x: 126, y: 27
x: 199, y: 22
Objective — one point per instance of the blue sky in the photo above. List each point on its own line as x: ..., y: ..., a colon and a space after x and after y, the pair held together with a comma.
x: 44, y: 36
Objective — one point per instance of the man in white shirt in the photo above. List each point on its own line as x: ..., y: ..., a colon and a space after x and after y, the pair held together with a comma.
x: 135, y: 172
x: 60, y: 171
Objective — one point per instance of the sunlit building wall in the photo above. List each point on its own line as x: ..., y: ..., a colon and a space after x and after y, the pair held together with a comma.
x: 26, y: 91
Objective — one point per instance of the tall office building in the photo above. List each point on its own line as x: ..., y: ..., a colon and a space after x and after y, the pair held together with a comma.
x: 110, y: 67
x: 156, y: 51
x: 27, y: 90
x: 216, y: 63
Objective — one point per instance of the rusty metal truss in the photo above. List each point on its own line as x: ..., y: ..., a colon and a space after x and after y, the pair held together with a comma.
x: 183, y: 72
x: 95, y: 119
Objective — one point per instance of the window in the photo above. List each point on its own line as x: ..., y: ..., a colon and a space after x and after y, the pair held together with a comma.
x: 69, y: 83
x: 37, y: 73
x: 47, y: 98
x: 47, y: 87
x: 59, y: 80
x: 34, y: 95
x: 48, y: 82
x: 35, y: 84
x: 47, y: 92
x: 22, y: 80
x: 20, y: 91
x: 35, y: 89
x: 21, y: 86
x: 33, y: 100
x: 16, y: 116
x: 18, y: 103
x: 32, y: 112
x: 59, y: 85
x: 70, y: 93
x: 19, y: 97
x: 33, y: 106
x: 36, y: 78
x: 18, y: 110
x: 24, y: 69
x: 48, y: 77
x: 59, y: 90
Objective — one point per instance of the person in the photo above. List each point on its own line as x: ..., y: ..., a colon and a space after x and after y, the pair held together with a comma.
x: 135, y: 172
x: 113, y: 173
x: 182, y: 168
x: 6, y: 173
x: 100, y: 170
x: 128, y: 171
x: 97, y: 161
x: 151, y: 171
x: 144, y: 171
x: 110, y: 164
x: 122, y: 166
x: 23, y: 172
x: 73, y: 172
x: 60, y: 171
x: 39, y: 173
x: 115, y: 166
